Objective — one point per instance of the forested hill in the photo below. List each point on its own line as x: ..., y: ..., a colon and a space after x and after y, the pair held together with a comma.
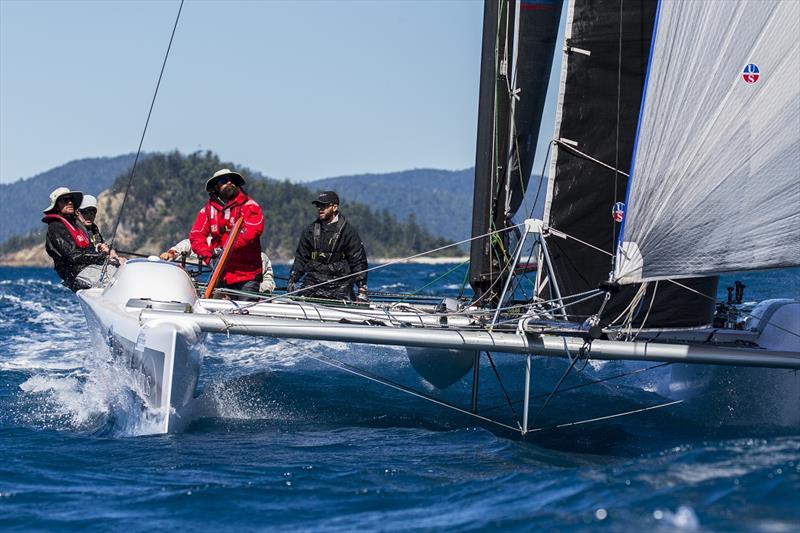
x: 169, y: 190
x: 25, y: 199
x: 439, y: 200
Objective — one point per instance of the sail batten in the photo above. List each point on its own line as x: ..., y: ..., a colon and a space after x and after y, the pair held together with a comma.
x: 716, y: 180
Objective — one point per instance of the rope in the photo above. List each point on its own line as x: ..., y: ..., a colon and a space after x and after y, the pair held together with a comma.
x: 559, y: 233
x: 646, y: 315
x: 402, y: 388
x: 616, y: 145
x: 144, y: 131
x: 413, y: 293
x: 607, y: 417
x: 502, y: 387
x: 563, y: 377
x: 587, y: 384
x: 384, y: 265
x: 588, y: 157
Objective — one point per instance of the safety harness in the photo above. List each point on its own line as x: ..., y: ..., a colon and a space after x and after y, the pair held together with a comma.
x: 332, y: 256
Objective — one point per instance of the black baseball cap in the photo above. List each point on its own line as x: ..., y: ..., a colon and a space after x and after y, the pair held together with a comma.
x: 326, y: 197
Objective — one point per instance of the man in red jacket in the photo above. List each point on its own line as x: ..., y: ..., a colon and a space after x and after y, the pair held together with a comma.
x: 227, y: 203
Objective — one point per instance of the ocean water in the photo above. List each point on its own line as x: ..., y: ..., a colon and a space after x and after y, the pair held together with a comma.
x: 286, y: 442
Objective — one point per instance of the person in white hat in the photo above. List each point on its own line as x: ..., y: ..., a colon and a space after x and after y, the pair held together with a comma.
x: 228, y: 203
x: 76, y: 261
x: 87, y: 212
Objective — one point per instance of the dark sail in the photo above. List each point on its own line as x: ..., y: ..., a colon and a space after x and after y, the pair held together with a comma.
x: 605, y: 56
x: 518, y: 41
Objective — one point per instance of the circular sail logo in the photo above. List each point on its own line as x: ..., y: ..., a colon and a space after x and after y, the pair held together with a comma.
x: 618, y: 212
x: 750, y: 74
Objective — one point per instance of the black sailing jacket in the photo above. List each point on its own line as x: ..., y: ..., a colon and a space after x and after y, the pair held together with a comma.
x: 95, y: 237
x: 68, y: 258
x: 336, y: 252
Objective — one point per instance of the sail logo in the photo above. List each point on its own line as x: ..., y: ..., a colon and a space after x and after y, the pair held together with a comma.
x: 750, y: 74
x: 618, y: 212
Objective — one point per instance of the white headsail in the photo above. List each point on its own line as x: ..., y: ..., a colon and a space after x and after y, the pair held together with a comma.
x: 715, y: 182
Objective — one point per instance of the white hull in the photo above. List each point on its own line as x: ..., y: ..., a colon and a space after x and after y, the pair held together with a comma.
x: 163, y: 356
x: 151, y: 318
x: 736, y: 396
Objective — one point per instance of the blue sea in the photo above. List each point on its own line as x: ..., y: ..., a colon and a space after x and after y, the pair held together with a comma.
x: 286, y: 442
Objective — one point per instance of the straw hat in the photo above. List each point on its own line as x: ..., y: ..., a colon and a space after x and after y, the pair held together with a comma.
x: 77, y: 198
x: 235, y: 177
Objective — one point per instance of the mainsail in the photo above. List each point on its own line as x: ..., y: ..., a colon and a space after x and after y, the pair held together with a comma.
x: 518, y: 41
x: 715, y: 185
x: 607, y: 45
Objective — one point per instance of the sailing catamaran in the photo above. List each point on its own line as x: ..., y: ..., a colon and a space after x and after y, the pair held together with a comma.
x: 677, y: 124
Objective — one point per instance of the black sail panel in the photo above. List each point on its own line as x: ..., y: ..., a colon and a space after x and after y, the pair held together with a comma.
x: 606, y: 64
x: 482, y: 264
x: 508, y: 124
x: 538, y: 31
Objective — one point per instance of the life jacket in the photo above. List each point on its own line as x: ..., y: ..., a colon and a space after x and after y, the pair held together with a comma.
x: 80, y: 238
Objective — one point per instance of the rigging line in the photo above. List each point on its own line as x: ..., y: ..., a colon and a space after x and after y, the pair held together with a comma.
x: 584, y: 155
x: 706, y: 296
x: 747, y: 314
x: 616, y: 146
x: 647, y: 315
x: 559, y: 233
x: 587, y: 384
x: 607, y: 417
x: 550, y: 310
x: 402, y: 388
x: 502, y: 387
x: 561, y: 380
x: 384, y: 265
x: 435, y: 280
x: 144, y: 131
x: 541, y: 178
x: 634, y: 301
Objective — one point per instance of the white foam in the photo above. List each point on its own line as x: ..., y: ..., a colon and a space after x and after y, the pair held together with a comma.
x: 86, y: 399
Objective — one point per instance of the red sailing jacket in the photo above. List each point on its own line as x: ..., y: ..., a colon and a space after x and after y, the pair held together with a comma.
x: 216, y: 221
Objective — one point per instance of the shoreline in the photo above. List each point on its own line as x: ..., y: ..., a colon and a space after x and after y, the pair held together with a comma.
x: 288, y: 262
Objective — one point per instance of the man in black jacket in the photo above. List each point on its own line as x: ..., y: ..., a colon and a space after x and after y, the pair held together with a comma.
x: 329, y: 250
x: 76, y: 261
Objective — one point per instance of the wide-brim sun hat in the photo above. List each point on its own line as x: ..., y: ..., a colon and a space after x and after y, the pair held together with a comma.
x: 237, y: 178
x: 77, y: 198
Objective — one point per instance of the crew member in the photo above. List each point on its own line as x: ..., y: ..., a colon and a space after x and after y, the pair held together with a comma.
x: 329, y: 251
x: 87, y: 212
x: 76, y: 261
x: 226, y: 204
x: 183, y: 249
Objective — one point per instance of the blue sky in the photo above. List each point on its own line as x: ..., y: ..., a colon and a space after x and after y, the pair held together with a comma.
x: 299, y: 90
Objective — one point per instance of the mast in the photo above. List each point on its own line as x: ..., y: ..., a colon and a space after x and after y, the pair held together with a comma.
x: 518, y: 41
x: 484, y: 265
